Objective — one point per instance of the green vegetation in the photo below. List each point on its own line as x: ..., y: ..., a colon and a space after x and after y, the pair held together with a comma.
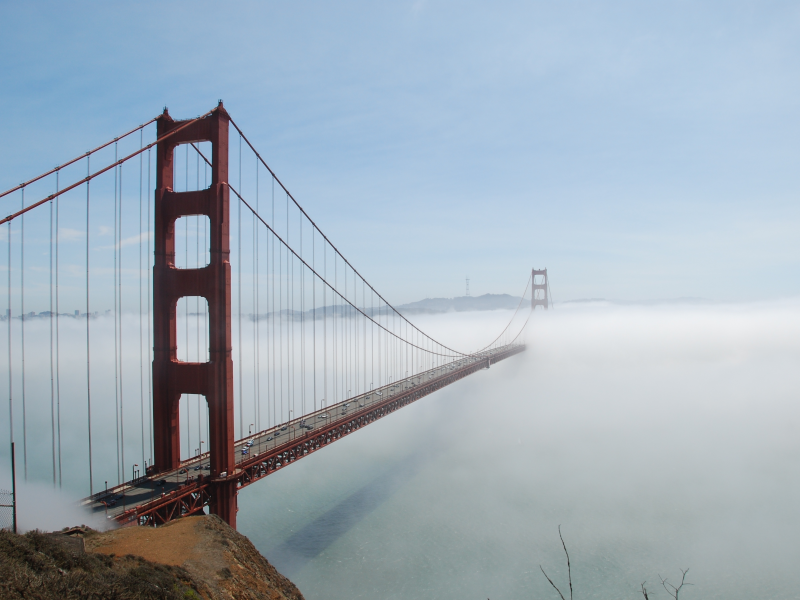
x: 49, y: 566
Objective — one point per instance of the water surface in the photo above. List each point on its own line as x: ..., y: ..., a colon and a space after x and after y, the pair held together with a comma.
x: 658, y: 438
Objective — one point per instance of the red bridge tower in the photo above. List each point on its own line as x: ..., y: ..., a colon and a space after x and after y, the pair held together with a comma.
x: 171, y: 377
x: 541, y: 286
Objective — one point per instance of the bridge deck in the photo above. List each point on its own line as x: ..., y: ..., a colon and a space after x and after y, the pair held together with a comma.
x: 160, y: 498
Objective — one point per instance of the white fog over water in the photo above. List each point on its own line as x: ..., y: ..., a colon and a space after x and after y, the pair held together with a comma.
x: 659, y: 438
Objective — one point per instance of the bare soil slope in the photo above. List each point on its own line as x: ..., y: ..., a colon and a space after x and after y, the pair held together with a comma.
x: 188, y: 559
x: 53, y: 566
x: 222, y: 560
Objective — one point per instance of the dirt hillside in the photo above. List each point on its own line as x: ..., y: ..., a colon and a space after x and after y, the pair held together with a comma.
x: 224, y: 562
x: 45, y: 566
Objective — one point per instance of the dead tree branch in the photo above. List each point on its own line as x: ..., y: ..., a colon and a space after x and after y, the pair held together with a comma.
x: 553, y: 584
x: 671, y: 589
x: 569, y: 570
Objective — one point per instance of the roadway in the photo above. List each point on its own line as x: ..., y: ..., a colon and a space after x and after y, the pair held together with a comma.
x: 115, y: 501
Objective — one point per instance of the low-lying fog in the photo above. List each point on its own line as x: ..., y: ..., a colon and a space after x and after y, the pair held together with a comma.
x: 659, y: 438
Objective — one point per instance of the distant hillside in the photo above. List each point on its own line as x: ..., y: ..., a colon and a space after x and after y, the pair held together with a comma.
x: 427, y: 306
x: 461, y: 304
x: 682, y: 300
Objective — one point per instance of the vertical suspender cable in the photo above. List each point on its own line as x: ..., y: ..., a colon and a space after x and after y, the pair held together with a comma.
x: 325, y: 321
x: 336, y: 318
x: 239, y: 296
x: 255, y: 321
x: 197, y: 308
x: 314, y: 309
x: 257, y: 342
x: 288, y: 320
x: 58, y: 371
x: 141, y: 336
x: 186, y: 312
x: 346, y: 340
x: 289, y: 324
x: 274, y: 336
x: 280, y: 318
x: 352, y: 350
x: 206, y: 257
x: 10, y: 372
x: 356, y: 337
x: 22, y: 322
x: 268, y: 316
x: 116, y: 340
x: 88, y: 346
x: 149, y: 327
x: 347, y: 363
x: 270, y: 374
x: 119, y: 297
x: 302, y: 325
x: 348, y: 337
x: 52, y: 366
x: 364, y: 306
x: 343, y: 340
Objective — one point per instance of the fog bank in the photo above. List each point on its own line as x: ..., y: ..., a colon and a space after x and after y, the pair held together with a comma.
x: 658, y: 437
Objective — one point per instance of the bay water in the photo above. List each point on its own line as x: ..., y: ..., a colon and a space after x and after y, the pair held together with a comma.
x: 659, y: 438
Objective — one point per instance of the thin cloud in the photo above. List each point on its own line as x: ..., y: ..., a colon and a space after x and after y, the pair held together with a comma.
x: 418, y: 7
x: 65, y: 234
x: 129, y: 241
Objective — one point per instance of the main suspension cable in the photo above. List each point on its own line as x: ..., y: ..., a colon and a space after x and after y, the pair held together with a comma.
x: 76, y: 159
x: 297, y: 204
x: 90, y: 176
x: 347, y: 264
x: 332, y: 287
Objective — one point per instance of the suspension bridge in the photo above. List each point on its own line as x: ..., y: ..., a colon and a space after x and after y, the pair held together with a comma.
x: 239, y: 339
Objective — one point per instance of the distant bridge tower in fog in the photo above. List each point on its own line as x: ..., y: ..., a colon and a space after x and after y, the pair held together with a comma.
x: 540, y: 289
x: 467, y: 286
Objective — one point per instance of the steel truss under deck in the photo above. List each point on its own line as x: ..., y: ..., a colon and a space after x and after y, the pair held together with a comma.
x: 195, y: 496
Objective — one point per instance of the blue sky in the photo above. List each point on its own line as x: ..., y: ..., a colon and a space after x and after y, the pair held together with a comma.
x: 638, y: 150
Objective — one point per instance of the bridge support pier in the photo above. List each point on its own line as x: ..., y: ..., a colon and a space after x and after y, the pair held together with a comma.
x: 171, y: 377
